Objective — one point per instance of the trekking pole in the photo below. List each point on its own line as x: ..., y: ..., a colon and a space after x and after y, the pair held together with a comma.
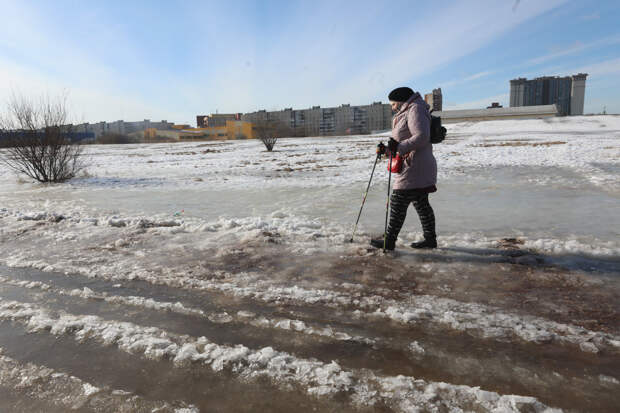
x: 365, y: 195
x: 387, y: 205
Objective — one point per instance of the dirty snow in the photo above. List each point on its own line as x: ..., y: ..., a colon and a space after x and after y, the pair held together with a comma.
x: 529, y: 256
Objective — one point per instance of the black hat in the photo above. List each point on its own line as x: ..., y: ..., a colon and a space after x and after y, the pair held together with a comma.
x: 400, y: 94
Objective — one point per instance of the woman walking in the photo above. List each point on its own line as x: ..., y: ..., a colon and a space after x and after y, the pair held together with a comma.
x: 418, y: 174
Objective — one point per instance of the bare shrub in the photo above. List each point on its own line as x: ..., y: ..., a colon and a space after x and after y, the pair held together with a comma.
x: 269, y: 131
x: 37, y: 140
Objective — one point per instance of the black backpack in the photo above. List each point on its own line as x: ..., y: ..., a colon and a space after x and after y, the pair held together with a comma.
x: 438, y: 132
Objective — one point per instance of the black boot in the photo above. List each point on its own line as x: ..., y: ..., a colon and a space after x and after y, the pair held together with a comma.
x: 427, y: 243
x: 379, y: 243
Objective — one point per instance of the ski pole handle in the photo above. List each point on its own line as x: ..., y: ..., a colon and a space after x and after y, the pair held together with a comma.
x: 380, y: 149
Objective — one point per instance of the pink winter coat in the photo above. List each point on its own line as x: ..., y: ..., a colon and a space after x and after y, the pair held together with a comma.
x: 411, y: 128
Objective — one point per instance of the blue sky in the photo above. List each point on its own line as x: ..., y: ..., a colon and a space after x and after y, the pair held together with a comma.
x: 173, y: 60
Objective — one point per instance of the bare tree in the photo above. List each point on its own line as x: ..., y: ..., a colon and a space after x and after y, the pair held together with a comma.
x: 269, y: 131
x: 37, y: 140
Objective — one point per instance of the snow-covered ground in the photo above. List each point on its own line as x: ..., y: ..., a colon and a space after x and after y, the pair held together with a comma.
x: 231, y: 265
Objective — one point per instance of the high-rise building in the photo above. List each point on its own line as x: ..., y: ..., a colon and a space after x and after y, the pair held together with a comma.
x: 341, y: 120
x: 567, y: 92
x: 577, y: 93
x: 434, y: 100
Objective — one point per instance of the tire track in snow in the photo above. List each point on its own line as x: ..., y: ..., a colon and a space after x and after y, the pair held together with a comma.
x: 472, y: 318
x: 476, y: 319
x: 433, y: 361
x: 241, y: 317
x: 437, y: 355
x: 363, y: 387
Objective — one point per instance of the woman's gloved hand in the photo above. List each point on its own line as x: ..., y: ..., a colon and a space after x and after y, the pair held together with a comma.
x: 393, y: 146
x: 380, y: 149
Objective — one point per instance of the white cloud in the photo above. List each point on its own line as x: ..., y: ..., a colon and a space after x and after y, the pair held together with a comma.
x: 607, y: 67
x: 44, y: 62
x: 575, y: 48
x: 599, y: 69
x: 309, y: 64
x: 458, y: 30
x: 593, y: 16
x: 478, y: 75
x: 466, y: 79
x: 90, y: 104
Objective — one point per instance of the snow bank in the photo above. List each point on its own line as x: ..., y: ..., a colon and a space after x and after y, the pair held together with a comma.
x: 404, y: 393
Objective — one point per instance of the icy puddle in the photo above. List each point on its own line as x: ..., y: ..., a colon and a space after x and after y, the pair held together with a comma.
x: 425, y: 349
x: 119, y: 374
x: 170, y: 280
x: 421, y: 351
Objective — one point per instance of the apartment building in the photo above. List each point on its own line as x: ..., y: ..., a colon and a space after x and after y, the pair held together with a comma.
x: 121, y: 127
x: 333, y: 121
x: 567, y: 92
x: 434, y: 99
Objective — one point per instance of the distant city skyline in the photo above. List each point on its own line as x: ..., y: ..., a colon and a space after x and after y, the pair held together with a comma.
x: 174, y: 60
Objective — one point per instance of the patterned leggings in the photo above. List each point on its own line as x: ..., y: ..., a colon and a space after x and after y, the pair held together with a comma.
x: 399, y: 202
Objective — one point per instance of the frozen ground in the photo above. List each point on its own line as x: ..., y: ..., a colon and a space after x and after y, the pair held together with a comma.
x: 217, y: 277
